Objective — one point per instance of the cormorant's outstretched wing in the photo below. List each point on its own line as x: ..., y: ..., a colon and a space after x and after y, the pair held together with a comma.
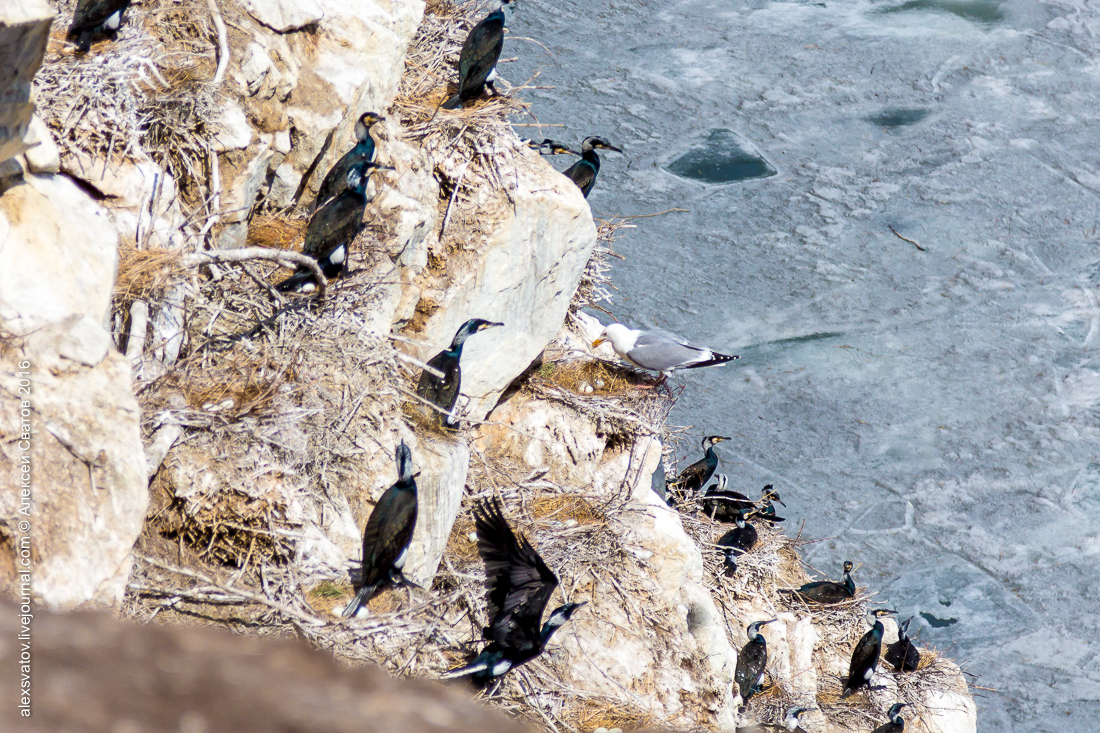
x: 520, y: 583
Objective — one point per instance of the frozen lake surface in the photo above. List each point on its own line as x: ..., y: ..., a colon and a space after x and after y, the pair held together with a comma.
x: 935, y: 411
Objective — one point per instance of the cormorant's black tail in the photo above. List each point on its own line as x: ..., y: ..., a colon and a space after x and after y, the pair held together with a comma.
x: 718, y: 359
x: 363, y: 596
x: 453, y: 103
x: 296, y: 281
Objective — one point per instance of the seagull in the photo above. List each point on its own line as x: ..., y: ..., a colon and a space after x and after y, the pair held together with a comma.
x: 658, y: 351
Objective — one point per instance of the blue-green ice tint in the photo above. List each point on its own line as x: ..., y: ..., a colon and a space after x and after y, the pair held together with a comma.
x: 898, y: 117
x: 722, y: 156
x: 984, y: 12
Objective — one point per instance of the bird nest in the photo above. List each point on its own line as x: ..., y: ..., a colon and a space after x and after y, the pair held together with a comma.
x: 145, y: 94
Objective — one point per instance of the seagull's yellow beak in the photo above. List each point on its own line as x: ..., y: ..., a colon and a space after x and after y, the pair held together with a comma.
x: 598, y: 341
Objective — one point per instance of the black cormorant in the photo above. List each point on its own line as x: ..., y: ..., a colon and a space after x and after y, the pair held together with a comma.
x: 583, y: 172
x: 827, y: 591
x: 95, y: 18
x: 388, y: 533
x: 477, y: 64
x: 363, y: 152
x: 751, y: 662
x: 722, y: 504
x: 896, y: 724
x: 695, y: 476
x: 331, y: 231
x: 741, y: 538
x: 443, y: 392
x: 865, y: 655
x: 520, y: 586
x: 903, y: 654
x: 790, y: 723
x: 767, y: 509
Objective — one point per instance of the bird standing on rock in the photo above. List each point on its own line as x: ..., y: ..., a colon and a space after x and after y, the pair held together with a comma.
x: 477, y: 63
x: 520, y: 586
x: 865, y: 656
x: 584, y: 171
x: 658, y: 351
x: 903, y: 654
x: 362, y: 152
x: 827, y: 591
x: 331, y: 231
x: 751, y: 662
x: 896, y: 724
x: 388, y: 533
x: 443, y: 391
x: 95, y: 18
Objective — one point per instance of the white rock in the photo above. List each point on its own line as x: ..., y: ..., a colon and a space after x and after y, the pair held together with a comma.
x: 231, y: 128
x: 42, y: 156
x: 443, y: 464
x: 255, y: 67
x: 284, y: 15
x: 57, y: 267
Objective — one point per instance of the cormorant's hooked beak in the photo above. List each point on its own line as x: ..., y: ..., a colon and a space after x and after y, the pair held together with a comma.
x: 610, y: 147
x: 721, y: 439
x: 376, y: 167
x: 488, y: 324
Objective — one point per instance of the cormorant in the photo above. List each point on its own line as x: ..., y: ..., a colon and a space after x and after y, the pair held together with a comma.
x: 443, y: 393
x: 388, y: 533
x: 363, y: 152
x: 740, y: 539
x: 865, y: 655
x: 722, y: 504
x: 790, y: 723
x: 331, y: 231
x: 477, y: 64
x: 520, y: 586
x: 95, y: 18
x: 583, y: 172
x: 896, y: 724
x: 552, y: 147
x: 827, y: 591
x: 695, y: 476
x: 767, y: 509
x: 658, y: 351
x: 903, y: 654
x: 751, y: 661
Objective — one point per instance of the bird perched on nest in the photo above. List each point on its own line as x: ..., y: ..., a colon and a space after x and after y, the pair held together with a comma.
x: 737, y: 541
x: 551, y: 147
x: 903, y: 654
x: 520, y: 586
x: 790, y: 723
x: 477, y: 63
x: 865, y: 656
x: 362, y: 152
x: 584, y: 171
x: 331, y: 231
x: 826, y: 591
x: 767, y: 509
x: 95, y: 18
x: 896, y: 724
x: 751, y: 662
x: 695, y: 476
x: 722, y: 503
x: 443, y: 391
x: 658, y: 351
x: 388, y: 533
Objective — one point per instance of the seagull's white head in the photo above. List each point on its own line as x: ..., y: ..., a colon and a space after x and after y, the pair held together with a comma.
x: 622, y: 338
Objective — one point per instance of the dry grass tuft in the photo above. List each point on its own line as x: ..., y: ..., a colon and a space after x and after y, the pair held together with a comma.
x: 276, y: 232
x: 591, y: 713
x: 146, y: 274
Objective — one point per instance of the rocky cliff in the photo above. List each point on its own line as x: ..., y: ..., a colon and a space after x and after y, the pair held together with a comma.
x: 207, y: 448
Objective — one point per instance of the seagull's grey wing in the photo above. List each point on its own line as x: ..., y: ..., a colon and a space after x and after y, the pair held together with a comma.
x: 662, y: 351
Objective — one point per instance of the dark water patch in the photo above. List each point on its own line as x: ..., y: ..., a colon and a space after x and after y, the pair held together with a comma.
x: 722, y: 156
x: 898, y: 117
x: 982, y: 12
x: 938, y: 623
x: 793, y: 340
